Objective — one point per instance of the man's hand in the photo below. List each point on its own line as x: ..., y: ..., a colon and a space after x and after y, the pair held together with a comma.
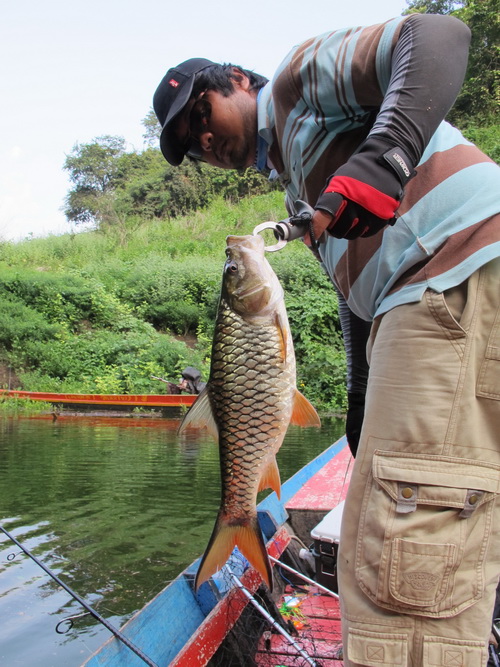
x: 363, y: 195
x: 342, y: 225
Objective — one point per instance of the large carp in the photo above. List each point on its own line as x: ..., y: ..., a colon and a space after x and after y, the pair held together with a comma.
x: 249, y: 401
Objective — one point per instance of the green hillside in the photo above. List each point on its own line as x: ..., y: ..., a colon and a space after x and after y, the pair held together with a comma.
x: 92, y: 312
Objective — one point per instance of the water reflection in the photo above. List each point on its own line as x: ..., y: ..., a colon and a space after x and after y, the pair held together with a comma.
x: 117, y: 508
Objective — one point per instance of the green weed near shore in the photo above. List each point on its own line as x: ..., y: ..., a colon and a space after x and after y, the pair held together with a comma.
x: 12, y: 406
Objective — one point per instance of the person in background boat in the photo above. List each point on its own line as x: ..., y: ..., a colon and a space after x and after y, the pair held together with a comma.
x: 190, y: 382
x: 406, y: 224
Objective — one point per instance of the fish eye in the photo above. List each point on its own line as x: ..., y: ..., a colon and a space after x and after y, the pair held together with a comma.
x: 231, y: 266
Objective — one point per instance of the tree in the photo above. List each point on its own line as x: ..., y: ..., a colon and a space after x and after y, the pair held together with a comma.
x: 93, y: 169
x: 480, y: 94
x: 155, y: 189
x: 431, y: 6
x: 152, y: 128
x: 94, y: 165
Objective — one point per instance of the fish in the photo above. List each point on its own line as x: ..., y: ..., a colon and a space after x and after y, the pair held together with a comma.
x: 249, y: 401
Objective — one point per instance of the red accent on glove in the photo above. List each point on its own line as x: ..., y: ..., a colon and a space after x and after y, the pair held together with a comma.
x: 378, y: 203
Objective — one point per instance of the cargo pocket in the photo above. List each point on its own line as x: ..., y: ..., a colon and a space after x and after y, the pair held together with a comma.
x: 374, y: 649
x: 445, y: 652
x: 424, y: 532
x: 488, y: 383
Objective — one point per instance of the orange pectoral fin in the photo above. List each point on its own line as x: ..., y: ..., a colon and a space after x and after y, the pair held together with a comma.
x: 303, y: 413
x: 271, y: 478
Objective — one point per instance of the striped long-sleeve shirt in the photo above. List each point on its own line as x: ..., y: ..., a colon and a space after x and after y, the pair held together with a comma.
x: 334, y: 90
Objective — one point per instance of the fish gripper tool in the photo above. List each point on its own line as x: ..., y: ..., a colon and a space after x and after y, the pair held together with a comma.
x: 289, y: 229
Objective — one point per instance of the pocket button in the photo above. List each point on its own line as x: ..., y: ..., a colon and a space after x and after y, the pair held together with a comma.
x: 407, y: 498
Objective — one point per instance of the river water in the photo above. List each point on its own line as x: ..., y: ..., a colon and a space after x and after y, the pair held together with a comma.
x: 116, y: 507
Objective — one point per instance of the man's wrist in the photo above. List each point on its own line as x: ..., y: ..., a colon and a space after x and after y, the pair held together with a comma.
x: 330, y: 202
x: 399, y: 163
x: 320, y: 222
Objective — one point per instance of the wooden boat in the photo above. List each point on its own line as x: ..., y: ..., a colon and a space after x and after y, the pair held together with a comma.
x: 221, y: 623
x: 105, y: 400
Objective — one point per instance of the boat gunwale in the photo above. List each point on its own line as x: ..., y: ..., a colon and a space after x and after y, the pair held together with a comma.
x: 129, y: 400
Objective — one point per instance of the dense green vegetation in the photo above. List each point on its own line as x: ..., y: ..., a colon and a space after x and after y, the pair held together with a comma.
x: 89, y: 313
x: 136, y: 294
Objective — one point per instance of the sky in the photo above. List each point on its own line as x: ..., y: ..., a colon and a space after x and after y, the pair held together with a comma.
x: 71, y: 71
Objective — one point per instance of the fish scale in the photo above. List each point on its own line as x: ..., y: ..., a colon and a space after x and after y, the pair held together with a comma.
x: 237, y: 399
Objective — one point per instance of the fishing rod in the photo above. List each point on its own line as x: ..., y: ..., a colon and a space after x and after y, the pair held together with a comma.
x: 304, y: 578
x: 82, y: 602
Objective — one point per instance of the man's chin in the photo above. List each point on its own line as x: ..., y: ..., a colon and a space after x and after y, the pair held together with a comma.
x: 242, y: 160
x: 235, y: 161
x: 244, y: 163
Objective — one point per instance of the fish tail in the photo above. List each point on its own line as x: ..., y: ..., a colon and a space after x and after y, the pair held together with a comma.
x: 247, y: 537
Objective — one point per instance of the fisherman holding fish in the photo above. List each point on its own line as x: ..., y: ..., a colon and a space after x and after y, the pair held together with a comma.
x: 405, y: 220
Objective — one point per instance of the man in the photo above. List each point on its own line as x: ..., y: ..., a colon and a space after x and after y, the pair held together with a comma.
x: 406, y: 224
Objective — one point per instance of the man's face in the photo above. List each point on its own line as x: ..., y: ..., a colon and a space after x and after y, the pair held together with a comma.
x: 225, y: 127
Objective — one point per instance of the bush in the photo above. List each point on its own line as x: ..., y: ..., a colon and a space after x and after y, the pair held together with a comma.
x: 20, y: 324
x: 486, y: 136
x: 105, y: 362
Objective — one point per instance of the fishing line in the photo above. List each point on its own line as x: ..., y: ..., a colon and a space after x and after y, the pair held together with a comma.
x: 82, y: 602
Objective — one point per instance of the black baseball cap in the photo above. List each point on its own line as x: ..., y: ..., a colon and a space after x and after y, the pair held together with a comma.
x: 169, y: 100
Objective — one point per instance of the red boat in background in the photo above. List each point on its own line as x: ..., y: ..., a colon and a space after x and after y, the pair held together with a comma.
x: 106, y: 400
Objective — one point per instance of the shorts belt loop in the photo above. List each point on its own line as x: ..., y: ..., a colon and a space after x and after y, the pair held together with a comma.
x: 471, y: 503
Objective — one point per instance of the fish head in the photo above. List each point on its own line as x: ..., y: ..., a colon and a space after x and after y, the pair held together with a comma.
x: 249, y: 283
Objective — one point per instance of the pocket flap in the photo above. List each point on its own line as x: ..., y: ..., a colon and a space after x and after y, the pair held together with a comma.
x: 441, y: 480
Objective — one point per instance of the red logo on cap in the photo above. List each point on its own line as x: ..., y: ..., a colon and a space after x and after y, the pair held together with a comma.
x: 173, y: 83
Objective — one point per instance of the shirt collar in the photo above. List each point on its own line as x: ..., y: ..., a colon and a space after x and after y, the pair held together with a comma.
x: 264, y: 131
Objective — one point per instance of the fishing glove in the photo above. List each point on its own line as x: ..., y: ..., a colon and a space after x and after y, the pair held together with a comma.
x: 354, y: 422
x: 363, y: 194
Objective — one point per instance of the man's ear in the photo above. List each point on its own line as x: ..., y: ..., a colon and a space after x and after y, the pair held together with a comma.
x: 240, y: 79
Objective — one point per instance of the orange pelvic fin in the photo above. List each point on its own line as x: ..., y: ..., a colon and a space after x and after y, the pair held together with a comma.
x: 225, y: 537
x: 271, y: 478
x: 303, y: 413
x: 200, y: 415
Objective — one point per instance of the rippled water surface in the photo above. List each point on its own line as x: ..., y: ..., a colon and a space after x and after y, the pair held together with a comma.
x: 116, y: 507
